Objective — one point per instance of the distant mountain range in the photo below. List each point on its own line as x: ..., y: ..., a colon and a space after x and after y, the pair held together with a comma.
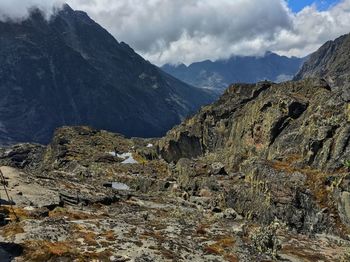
x: 71, y: 71
x: 218, y: 75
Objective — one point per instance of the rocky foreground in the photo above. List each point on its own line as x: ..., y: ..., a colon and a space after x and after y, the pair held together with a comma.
x: 261, y: 175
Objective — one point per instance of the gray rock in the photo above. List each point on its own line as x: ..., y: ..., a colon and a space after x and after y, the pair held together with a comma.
x: 345, y: 206
x: 230, y: 213
x: 218, y: 169
x: 24, y: 193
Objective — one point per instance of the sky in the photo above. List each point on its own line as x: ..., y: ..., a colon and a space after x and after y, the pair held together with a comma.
x: 186, y: 31
x: 298, y: 5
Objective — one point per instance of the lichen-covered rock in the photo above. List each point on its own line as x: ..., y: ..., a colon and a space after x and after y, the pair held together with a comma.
x: 269, y: 192
x: 284, y: 139
x: 23, y: 191
x: 344, y: 204
x: 210, y: 129
x: 305, y: 119
x: 84, y: 145
x: 265, y: 239
x: 218, y: 168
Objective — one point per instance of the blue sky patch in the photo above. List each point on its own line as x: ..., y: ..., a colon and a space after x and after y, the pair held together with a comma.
x: 297, y: 5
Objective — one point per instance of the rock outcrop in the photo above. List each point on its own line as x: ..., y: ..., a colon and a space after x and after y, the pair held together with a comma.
x: 285, y: 139
x: 331, y: 62
x: 267, y: 121
x: 285, y: 145
x: 149, y: 205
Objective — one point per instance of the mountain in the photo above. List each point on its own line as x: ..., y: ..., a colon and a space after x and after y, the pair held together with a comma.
x: 330, y: 61
x: 71, y: 71
x: 220, y: 74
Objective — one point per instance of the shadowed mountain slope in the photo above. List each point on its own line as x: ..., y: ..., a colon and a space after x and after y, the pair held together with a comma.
x: 71, y: 71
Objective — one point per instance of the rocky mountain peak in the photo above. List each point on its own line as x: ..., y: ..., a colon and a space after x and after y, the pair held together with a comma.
x: 68, y: 70
x: 66, y: 8
x: 330, y: 61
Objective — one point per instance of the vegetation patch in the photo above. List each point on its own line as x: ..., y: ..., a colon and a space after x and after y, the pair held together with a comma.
x: 72, y: 215
x: 220, y: 246
x: 11, y: 230
x: 49, y: 251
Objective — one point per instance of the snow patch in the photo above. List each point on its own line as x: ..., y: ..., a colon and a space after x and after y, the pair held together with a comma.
x: 120, y: 186
x: 128, y: 158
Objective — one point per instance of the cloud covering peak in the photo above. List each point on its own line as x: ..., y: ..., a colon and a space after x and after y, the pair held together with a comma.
x: 19, y: 9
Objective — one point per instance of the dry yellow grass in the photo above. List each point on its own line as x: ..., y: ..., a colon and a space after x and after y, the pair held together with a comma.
x: 11, y: 230
x: 45, y: 250
x: 109, y: 235
x: 220, y: 246
x: 74, y: 215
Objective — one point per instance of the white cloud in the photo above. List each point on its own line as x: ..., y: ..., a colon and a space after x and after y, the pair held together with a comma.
x: 189, y: 30
x: 192, y: 30
x: 312, y: 28
x: 19, y: 9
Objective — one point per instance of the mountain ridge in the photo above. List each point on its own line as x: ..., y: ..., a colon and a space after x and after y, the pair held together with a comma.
x: 218, y: 75
x: 70, y: 71
x: 329, y: 62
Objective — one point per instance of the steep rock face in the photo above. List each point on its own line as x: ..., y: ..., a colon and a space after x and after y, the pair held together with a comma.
x: 270, y: 192
x: 70, y: 71
x: 210, y: 128
x: 285, y: 145
x: 331, y: 62
x: 219, y: 74
x: 268, y: 121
